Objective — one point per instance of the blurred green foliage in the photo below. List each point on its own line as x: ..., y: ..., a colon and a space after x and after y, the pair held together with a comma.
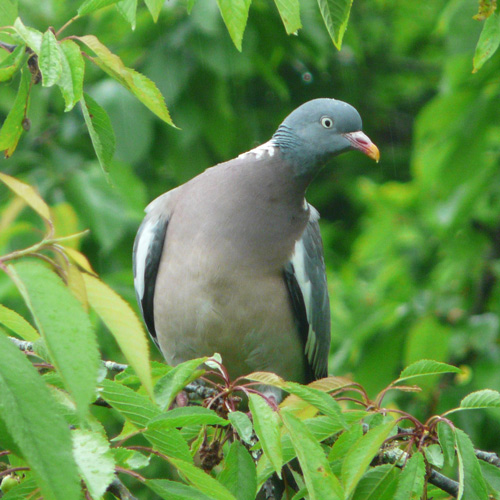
x: 412, y: 245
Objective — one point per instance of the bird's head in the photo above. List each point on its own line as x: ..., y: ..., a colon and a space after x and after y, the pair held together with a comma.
x: 319, y: 130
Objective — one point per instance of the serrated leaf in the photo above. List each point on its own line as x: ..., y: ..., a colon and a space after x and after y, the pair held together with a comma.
x: 238, y: 474
x: 12, y: 127
x: 94, y: 459
x: 379, y: 483
x: 175, y: 380
x: 79, y: 259
x: 320, y: 427
x: 92, y: 5
x: 124, y: 325
x: 426, y: 367
x: 8, y: 12
x: 488, y: 43
x: 202, y: 481
x: 290, y: 14
x: 335, y: 15
x: 266, y: 378
x: 15, y: 322
x: 128, y: 9
x: 320, y: 481
x: 345, y: 442
x: 100, y: 130
x: 154, y: 7
x: 434, y: 455
x: 31, y: 36
x: 412, y: 479
x: 173, y: 490
x: 50, y: 59
x: 32, y: 418
x: 471, y: 482
x: 72, y: 73
x: 486, y: 398
x: 28, y: 194
x: 361, y: 454
x: 242, y: 424
x: 491, y: 474
x: 139, y: 410
x: 319, y: 399
x: 141, y: 86
x: 267, y: 427
x: 446, y: 438
x: 11, y: 64
x: 235, y: 15
x: 66, y: 330
x: 187, y: 415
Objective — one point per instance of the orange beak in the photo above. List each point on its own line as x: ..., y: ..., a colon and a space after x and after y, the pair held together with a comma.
x: 360, y: 141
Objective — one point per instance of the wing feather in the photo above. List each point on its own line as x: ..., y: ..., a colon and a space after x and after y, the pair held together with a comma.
x: 305, y: 276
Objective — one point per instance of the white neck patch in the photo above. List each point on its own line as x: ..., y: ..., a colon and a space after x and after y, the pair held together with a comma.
x: 266, y: 149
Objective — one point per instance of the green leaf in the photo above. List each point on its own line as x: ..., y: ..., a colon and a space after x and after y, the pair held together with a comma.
x: 139, y: 410
x: 361, y: 454
x: 12, y: 63
x: 290, y: 14
x: 175, y: 380
x: 320, y: 427
x: 22, y: 491
x: 12, y: 127
x: 28, y: 194
x: 491, y: 474
x: 447, y: 441
x: 242, y: 424
x: 471, y: 481
x: 130, y: 459
x: 66, y: 329
x: 100, y: 130
x: 154, y: 7
x: 488, y: 43
x: 434, y: 455
x: 141, y: 86
x: 412, y: 479
x: 73, y: 70
x: 202, y: 481
x: 8, y: 12
x: 94, y: 459
x: 92, y: 5
x: 319, y: 399
x: 345, y: 442
x: 379, y: 483
x: 320, y: 481
x: 239, y: 475
x: 123, y: 323
x: 50, y: 59
x: 486, y: 398
x: 17, y: 324
x: 31, y: 416
x: 128, y: 9
x: 172, y: 490
x: 335, y: 15
x: 31, y: 36
x: 187, y: 415
x: 426, y: 367
x: 267, y: 427
x: 235, y: 15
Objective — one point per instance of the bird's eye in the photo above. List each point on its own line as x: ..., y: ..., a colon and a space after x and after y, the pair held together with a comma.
x: 326, y: 122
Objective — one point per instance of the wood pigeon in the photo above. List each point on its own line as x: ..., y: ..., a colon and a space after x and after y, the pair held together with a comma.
x: 232, y: 261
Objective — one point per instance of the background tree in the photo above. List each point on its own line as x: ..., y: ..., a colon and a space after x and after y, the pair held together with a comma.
x: 412, y: 246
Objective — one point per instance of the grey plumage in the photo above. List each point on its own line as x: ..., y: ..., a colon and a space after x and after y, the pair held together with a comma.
x: 232, y: 261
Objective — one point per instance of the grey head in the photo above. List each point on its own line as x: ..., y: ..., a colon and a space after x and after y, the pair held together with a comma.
x: 319, y: 130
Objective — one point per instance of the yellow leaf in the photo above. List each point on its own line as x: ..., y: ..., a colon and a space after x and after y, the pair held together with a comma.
x: 13, y: 321
x: 77, y: 285
x: 267, y: 378
x: 28, y: 194
x: 79, y: 259
x: 125, y: 326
